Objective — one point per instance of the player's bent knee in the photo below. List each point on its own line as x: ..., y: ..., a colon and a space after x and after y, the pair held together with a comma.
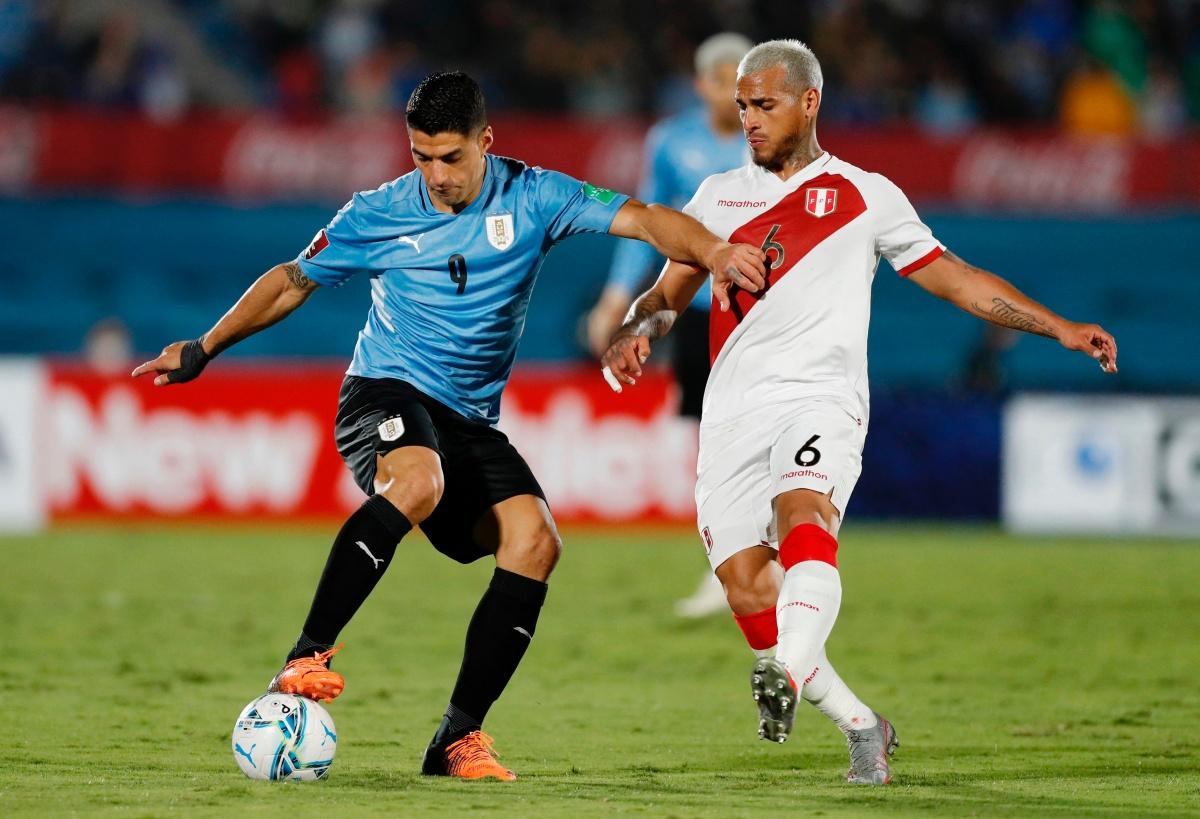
x: 804, y: 506
x: 413, y: 484
x: 534, y: 554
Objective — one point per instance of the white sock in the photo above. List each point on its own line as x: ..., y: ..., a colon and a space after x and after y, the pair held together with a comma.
x: 807, y: 609
x: 830, y: 695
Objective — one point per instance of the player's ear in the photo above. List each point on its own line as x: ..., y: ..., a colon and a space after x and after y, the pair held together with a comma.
x: 486, y: 138
x: 812, y: 102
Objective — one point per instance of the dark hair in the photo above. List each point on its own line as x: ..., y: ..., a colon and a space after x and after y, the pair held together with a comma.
x: 447, y: 102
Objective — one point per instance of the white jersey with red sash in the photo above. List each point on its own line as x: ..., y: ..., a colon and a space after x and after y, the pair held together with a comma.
x: 805, y: 335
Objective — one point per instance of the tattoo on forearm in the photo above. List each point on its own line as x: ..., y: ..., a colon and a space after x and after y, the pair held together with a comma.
x: 1007, y: 314
x: 296, y: 276
x: 651, y: 316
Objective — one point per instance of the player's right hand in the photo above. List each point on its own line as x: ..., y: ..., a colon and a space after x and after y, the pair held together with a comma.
x: 623, y: 360
x: 177, y: 363
x: 1093, y: 340
x: 743, y: 266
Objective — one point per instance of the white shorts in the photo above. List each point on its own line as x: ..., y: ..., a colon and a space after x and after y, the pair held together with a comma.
x: 745, y: 464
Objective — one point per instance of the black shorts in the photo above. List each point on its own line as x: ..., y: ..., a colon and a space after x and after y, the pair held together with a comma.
x: 481, y: 467
x: 689, y: 360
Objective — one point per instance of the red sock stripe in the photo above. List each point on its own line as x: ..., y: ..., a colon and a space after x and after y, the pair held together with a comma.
x: 808, y: 542
x: 760, y: 628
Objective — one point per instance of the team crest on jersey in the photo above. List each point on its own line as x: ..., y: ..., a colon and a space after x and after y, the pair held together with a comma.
x: 820, y: 201
x: 499, y: 230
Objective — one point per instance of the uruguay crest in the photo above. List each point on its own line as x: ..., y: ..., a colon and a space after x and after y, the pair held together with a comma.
x: 499, y: 230
x: 820, y: 201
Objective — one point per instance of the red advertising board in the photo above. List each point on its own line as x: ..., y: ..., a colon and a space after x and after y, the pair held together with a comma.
x: 261, y: 158
x: 256, y: 442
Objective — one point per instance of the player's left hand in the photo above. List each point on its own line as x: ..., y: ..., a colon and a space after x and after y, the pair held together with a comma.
x: 743, y: 266
x: 1093, y: 340
x: 623, y: 360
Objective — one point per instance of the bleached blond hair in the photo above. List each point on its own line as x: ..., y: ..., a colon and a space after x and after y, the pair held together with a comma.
x: 803, y: 69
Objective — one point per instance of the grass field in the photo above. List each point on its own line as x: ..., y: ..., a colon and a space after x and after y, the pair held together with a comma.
x: 1025, y: 677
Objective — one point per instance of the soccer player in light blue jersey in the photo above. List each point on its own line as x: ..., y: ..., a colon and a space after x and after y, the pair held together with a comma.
x: 452, y: 251
x: 680, y: 153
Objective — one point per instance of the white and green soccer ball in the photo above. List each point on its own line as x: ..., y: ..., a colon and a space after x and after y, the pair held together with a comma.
x: 281, y: 736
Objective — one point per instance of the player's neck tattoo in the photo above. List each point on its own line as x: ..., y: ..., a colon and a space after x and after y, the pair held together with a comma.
x: 806, y: 153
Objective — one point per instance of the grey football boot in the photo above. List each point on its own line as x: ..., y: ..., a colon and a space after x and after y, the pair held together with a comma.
x: 869, y: 752
x: 776, y: 697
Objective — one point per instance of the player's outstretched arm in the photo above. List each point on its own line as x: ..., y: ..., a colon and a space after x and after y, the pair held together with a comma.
x: 270, y: 299
x: 992, y: 298
x: 649, y: 318
x: 681, y: 238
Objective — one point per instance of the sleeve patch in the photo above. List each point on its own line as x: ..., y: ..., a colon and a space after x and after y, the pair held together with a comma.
x: 602, y: 195
x: 319, y: 243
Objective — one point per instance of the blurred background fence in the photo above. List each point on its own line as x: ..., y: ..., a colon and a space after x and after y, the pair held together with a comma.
x: 156, y: 156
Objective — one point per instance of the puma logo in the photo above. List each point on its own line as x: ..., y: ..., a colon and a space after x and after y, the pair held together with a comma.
x: 408, y: 240
x: 243, y: 752
x: 328, y: 734
x: 363, y: 546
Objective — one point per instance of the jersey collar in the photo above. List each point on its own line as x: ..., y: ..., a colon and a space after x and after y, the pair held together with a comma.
x: 811, y: 170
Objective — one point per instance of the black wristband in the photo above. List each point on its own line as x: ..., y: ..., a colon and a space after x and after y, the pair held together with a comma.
x: 192, y: 360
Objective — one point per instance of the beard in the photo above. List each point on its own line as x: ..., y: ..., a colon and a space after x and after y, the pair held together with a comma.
x: 787, y: 148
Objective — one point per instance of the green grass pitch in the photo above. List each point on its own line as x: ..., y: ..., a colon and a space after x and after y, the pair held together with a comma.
x: 1026, y: 677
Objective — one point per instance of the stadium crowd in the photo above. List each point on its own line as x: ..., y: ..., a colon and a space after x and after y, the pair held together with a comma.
x: 1093, y: 66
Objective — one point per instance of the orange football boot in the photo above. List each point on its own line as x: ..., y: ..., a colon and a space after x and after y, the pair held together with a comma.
x: 471, y: 758
x: 310, y: 677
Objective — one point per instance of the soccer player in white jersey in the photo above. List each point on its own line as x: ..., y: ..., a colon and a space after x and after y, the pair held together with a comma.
x: 786, y: 405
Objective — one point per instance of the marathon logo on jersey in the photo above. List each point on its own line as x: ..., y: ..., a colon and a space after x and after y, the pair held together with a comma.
x: 708, y: 544
x: 820, y: 201
x: 499, y: 229
x: 391, y: 429
x: 318, y: 244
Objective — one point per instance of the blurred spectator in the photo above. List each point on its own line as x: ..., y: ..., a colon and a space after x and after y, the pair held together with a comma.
x: 946, y: 65
x: 1163, y: 109
x: 108, y: 347
x: 1094, y: 102
x: 945, y: 105
x: 983, y: 372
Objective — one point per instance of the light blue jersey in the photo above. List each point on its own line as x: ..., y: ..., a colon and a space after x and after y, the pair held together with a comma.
x: 681, y: 152
x: 449, y: 292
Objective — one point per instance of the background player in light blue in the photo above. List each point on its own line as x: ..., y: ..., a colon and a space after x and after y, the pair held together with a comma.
x: 680, y: 153
x: 452, y: 251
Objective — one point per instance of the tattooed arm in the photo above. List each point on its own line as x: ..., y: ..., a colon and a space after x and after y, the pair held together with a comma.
x: 992, y: 298
x: 651, y: 317
x: 270, y: 299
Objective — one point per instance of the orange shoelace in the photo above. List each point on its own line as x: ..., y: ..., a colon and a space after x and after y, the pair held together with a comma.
x: 320, y: 658
x: 472, y: 755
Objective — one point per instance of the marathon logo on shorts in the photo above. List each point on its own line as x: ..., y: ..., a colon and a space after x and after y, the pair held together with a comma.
x: 820, y: 201
x: 318, y: 244
x: 391, y: 429
x: 708, y: 544
x: 804, y: 473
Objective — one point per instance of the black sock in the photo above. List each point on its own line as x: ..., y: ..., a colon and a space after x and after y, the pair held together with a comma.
x: 360, y: 555
x: 499, y: 633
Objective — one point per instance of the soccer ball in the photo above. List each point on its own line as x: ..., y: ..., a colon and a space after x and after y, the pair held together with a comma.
x: 280, y: 736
